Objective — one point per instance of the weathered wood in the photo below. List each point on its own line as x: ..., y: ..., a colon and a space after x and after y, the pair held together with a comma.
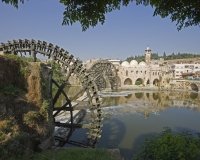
x: 72, y: 66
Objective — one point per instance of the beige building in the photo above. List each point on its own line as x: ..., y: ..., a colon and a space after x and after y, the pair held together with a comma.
x: 179, y: 70
x: 142, y: 74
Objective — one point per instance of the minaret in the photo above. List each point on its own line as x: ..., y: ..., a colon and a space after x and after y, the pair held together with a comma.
x: 148, y: 56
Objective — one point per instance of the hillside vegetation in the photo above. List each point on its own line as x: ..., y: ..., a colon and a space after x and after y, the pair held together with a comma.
x: 25, y: 119
x: 172, y: 56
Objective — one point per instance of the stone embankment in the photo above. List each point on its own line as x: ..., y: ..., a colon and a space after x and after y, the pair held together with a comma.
x: 174, y: 85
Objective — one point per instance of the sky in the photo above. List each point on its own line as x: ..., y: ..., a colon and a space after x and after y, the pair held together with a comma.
x: 126, y: 32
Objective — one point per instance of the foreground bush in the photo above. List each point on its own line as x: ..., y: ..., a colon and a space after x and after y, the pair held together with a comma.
x: 170, y: 146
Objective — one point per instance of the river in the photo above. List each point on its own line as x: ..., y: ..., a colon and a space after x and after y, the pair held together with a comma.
x: 131, y: 115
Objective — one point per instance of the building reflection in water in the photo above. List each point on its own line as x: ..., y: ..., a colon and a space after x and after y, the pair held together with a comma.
x: 152, y: 102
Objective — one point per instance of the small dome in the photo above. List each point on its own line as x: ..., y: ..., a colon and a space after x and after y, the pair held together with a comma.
x: 133, y: 63
x: 125, y: 64
x: 142, y: 63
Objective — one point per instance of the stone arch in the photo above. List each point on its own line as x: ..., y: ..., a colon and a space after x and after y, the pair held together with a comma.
x: 129, y: 96
x: 156, y: 82
x: 139, y: 81
x: 155, y: 96
x: 139, y: 95
x: 193, y: 95
x: 128, y: 81
x: 194, y: 87
x: 148, y: 82
x: 147, y: 94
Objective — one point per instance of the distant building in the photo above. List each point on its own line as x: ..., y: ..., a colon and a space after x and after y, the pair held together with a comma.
x: 184, y: 70
x: 150, y: 73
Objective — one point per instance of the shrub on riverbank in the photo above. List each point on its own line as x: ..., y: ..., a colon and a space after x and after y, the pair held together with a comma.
x: 168, y: 145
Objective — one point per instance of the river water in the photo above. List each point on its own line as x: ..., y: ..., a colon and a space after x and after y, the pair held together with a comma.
x: 130, y: 115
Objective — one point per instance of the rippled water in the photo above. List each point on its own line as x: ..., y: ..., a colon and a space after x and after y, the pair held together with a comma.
x: 131, y: 115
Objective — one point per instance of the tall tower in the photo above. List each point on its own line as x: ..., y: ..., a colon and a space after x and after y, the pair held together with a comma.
x: 148, y: 56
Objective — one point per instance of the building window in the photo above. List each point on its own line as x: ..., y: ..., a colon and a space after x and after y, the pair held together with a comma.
x: 136, y: 72
x: 153, y: 73
x: 145, y: 72
x: 126, y: 73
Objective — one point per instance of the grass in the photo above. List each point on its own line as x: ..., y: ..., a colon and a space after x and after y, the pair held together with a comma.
x: 69, y: 154
x: 78, y: 154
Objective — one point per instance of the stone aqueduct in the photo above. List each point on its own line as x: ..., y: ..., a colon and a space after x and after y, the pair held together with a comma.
x: 190, y: 85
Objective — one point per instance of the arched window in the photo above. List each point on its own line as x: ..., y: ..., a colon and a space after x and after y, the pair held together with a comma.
x: 126, y: 73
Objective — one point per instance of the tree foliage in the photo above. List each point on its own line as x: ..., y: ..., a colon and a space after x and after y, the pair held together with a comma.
x: 13, y: 2
x: 155, y: 56
x: 91, y: 12
x: 168, y: 145
x: 185, y: 12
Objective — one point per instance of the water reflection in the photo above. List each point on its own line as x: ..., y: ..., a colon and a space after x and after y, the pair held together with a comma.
x: 152, y: 102
x: 70, y: 91
x: 129, y: 116
x: 143, y: 113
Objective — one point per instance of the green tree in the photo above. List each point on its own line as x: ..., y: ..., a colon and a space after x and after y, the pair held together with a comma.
x: 91, y: 12
x: 168, y: 145
x: 164, y: 56
x: 173, y: 56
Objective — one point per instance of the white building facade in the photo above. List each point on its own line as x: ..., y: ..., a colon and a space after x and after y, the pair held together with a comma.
x: 178, y: 70
x: 142, y: 74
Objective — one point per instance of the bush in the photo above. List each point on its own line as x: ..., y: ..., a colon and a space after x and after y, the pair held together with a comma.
x: 168, y: 80
x: 168, y: 145
x: 137, y: 82
x: 31, y: 118
x: 44, y: 108
x: 10, y: 90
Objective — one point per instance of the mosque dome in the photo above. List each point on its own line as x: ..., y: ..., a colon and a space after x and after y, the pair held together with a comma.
x: 125, y: 64
x: 133, y: 63
x: 142, y: 63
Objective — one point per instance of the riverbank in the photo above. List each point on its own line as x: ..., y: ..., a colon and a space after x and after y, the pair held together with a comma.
x: 171, y: 87
x: 77, y: 154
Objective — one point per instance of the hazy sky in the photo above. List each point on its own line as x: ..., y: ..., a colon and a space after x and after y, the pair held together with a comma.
x: 126, y: 32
